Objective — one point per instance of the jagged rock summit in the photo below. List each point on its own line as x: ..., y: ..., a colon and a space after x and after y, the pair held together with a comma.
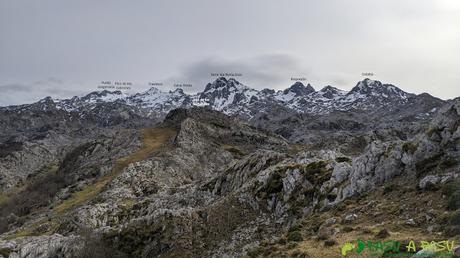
x: 234, y: 98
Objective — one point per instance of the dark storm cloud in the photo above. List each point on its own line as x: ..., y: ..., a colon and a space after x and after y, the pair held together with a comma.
x: 265, y: 71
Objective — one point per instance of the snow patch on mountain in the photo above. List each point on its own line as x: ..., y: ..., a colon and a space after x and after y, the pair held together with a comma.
x: 235, y: 98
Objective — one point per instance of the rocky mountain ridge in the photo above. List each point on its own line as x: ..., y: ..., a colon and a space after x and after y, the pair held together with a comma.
x: 234, y: 98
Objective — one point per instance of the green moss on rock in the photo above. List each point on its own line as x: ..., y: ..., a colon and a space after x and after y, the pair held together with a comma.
x: 5, y: 252
x: 409, y: 147
x: 343, y: 159
x: 317, y: 172
x: 428, y: 165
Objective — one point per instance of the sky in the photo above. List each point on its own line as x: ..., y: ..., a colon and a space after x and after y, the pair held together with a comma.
x: 66, y: 48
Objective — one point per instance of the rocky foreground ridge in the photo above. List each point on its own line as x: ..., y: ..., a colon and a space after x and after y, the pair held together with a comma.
x: 201, y: 183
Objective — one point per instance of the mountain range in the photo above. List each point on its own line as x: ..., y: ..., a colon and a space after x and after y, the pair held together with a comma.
x: 291, y: 112
x: 229, y: 172
x: 234, y: 98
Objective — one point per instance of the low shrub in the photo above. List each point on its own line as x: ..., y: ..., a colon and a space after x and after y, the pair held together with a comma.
x: 452, y: 191
x: 294, y: 236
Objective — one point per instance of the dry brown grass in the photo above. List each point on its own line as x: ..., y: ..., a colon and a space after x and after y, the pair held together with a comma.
x: 377, y: 211
x: 296, y: 148
x: 152, y: 140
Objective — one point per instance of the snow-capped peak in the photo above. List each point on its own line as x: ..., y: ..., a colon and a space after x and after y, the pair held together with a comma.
x: 223, y: 83
x: 233, y: 97
x: 177, y: 91
x: 330, y: 92
x: 368, y: 87
x: 299, y: 89
x: 151, y: 91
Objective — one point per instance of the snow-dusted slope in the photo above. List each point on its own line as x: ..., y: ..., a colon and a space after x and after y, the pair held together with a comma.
x: 369, y: 94
x: 225, y: 95
x: 160, y: 101
x: 235, y: 98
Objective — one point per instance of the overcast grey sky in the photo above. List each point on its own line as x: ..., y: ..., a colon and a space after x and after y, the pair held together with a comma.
x: 65, y: 48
